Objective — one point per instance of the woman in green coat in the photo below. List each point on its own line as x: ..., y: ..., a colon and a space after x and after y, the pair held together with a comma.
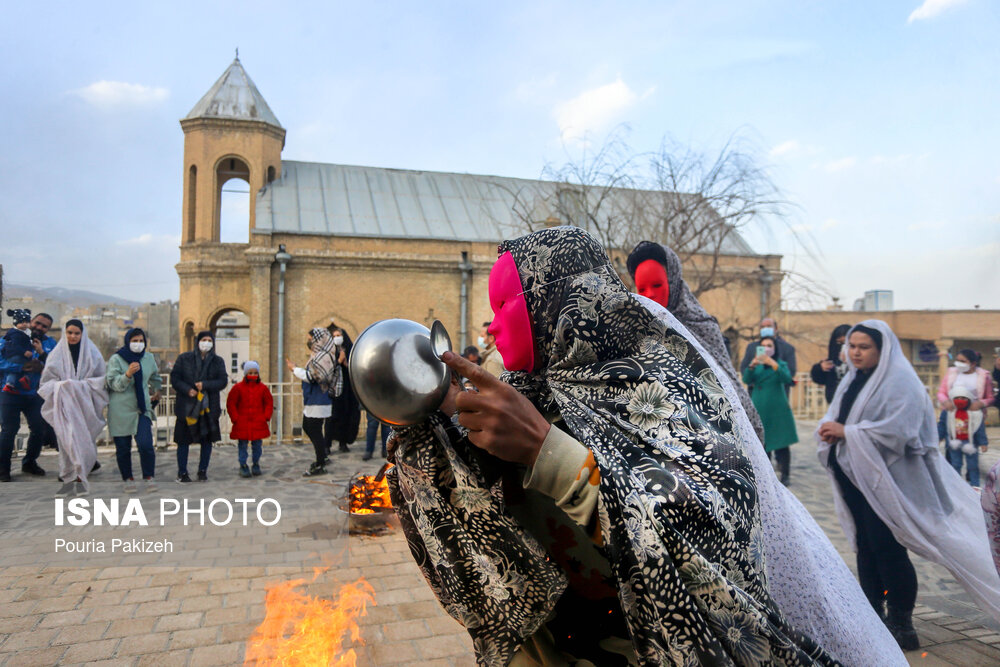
x: 133, y: 383
x: 767, y: 379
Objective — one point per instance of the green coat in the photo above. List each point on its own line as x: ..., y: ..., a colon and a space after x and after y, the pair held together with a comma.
x: 771, y: 401
x: 123, y: 409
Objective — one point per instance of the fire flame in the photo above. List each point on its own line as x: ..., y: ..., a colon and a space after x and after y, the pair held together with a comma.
x: 300, y: 630
x: 369, y: 496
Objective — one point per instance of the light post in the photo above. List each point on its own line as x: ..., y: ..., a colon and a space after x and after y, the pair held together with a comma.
x: 282, y: 258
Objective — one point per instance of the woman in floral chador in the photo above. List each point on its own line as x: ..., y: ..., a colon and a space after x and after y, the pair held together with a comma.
x: 615, y: 517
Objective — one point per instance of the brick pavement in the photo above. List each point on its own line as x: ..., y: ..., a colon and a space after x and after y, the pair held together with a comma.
x: 150, y: 615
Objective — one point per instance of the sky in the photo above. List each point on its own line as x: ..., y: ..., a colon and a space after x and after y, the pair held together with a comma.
x: 877, y: 120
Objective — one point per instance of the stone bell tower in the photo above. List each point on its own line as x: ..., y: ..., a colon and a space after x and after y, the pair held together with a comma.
x: 230, y: 133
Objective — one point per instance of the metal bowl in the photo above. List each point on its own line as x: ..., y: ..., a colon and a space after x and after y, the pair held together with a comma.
x: 395, y: 373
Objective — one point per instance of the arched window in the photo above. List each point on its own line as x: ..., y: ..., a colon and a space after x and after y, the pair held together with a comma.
x: 270, y: 174
x: 191, y: 200
x: 233, y: 178
x: 188, y: 341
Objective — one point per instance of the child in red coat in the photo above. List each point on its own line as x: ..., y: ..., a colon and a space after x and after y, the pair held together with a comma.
x: 250, y: 406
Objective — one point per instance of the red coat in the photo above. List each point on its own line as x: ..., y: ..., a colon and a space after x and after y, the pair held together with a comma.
x: 250, y: 406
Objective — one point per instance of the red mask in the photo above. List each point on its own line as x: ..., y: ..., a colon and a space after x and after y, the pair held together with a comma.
x: 962, y: 403
x: 651, y: 282
x: 511, y: 321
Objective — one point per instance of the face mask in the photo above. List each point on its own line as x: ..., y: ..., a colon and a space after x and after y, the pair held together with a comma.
x: 962, y: 403
x: 205, y: 345
x: 962, y: 366
x: 651, y: 282
x: 766, y: 332
x: 511, y: 322
x: 769, y: 351
x: 482, y: 342
x: 137, y: 348
x: 338, y: 340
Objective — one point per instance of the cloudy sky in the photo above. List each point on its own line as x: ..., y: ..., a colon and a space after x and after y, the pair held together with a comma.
x: 879, y: 119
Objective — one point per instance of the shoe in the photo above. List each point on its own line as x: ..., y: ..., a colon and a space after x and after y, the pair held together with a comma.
x: 130, y: 486
x: 202, y: 476
x: 326, y: 460
x: 79, y: 489
x: 4, y: 476
x: 344, y: 448
x: 255, y: 470
x: 315, y: 470
x: 784, y: 478
x: 245, y: 471
x: 33, y: 469
x: 366, y: 457
x: 97, y: 466
x: 183, y: 478
x: 149, y: 485
x: 65, y: 490
x: 900, y: 625
x: 59, y: 478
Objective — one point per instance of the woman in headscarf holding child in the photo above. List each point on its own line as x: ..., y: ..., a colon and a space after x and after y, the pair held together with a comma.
x: 134, y: 382
x: 630, y: 519
x: 892, y: 489
x: 72, y: 386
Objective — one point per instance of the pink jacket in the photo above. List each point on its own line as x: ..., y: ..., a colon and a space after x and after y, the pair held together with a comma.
x: 985, y: 386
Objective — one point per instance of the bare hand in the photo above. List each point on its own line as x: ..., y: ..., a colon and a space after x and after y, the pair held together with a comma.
x: 192, y: 393
x: 37, y: 344
x: 826, y: 365
x: 499, y: 419
x: 28, y: 354
x: 831, y: 432
x: 771, y: 362
x: 976, y: 405
x: 197, y: 385
x: 982, y: 449
x: 754, y: 362
x: 155, y: 397
x: 947, y: 405
x: 288, y: 362
x: 342, y: 358
x: 133, y: 368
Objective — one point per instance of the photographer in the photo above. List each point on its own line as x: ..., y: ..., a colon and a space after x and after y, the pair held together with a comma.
x: 27, y: 402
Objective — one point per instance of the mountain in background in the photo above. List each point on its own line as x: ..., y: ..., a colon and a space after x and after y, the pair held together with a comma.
x: 75, y: 297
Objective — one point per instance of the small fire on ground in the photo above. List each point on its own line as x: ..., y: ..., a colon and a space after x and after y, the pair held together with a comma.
x: 301, y: 630
x: 369, y: 496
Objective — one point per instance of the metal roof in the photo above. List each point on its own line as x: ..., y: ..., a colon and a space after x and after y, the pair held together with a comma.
x: 344, y: 200
x: 234, y: 96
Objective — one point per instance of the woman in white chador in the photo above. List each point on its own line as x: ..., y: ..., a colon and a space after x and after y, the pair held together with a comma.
x: 72, y: 385
x: 892, y: 488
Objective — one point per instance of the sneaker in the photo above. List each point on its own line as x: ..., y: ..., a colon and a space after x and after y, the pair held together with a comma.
x: 65, y: 490
x: 255, y: 470
x: 202, y: 476
x: 97, y: 466
x: 149, y: 485
x: 245, y: 471
x: 32, y: 469
x: 344, y: 448
x: 366, y: 457
x: 79, y: 489
x: 4, y: 476
x: 315, y: 470
x: 183, y: 478
x: 130, y: 486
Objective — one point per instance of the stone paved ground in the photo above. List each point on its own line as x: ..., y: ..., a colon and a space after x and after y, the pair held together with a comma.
x: 203, y: 615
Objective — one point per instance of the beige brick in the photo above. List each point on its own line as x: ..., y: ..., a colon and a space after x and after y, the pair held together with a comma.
x: 10, y: 594
x: 112, y: 613
x: 444, y: 646
x: 405, y: 630
x: 444, y: 625
x: 64, y: 618
x: 143, y: 644
x: 20, y: 623
x: 34, y: 639
x: 411, y: 610
x: 153, y: 594
x: 224, y: 654
x: 194, y: 638
x: 229, y: 586
x: 117, y: 572
x: 393, y: 653
x: 209, y: 574
x: 106, y: 599
x: 130, y: 627
x: 397, y: 596
x: 239, y: 632
x: 85, y: 587
x: 19, y: 608
x: 225, y: 616
x: 171, y: 659
x: 45, y: 657
x: 161, y: 608
x: 182, y: 591
x: 126, y: 584
x: 201, y: 603
x: 179, y: 622
x: 52, y: 604
x: 90, y: 651
x: 113, y: 662
x: 79, y: 634
x: 249, y: 597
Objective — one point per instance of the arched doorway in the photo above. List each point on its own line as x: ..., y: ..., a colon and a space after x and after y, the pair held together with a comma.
x: 233, y: 200
x: 232, y: 339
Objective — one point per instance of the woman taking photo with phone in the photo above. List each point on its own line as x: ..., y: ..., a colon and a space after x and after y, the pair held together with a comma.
x: 769, y: 379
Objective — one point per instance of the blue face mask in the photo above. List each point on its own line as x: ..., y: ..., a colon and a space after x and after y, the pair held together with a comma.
x: 766, y: 332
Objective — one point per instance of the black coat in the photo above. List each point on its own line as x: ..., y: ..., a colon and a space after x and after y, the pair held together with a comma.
x: 346, y: 419
x: 213, y: 380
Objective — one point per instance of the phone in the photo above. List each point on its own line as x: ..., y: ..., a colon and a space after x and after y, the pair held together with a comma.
x: 761, y: 351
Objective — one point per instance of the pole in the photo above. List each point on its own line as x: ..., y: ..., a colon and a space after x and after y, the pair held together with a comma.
x: 463, y: 333
x: 282, y: 257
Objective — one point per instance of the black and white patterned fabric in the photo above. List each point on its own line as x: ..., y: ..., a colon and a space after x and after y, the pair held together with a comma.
x: 678, y: 501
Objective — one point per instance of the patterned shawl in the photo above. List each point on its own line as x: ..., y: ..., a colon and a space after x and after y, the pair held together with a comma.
x: 684, y: 305
x: 678, y: 504
x: 322, y: 367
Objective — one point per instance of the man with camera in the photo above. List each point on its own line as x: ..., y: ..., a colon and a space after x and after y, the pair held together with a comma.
x: 26, y: 401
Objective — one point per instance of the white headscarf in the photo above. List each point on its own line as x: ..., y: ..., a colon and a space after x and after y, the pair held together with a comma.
x: 75, y: 398
x: 890, y: 453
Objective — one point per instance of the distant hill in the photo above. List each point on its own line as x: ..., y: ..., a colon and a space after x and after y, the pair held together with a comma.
x: 75, y: 297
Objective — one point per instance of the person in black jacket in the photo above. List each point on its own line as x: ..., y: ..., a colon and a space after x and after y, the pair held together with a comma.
x: 343, y: 426
x: 829, y: 371
x: 197, y: 378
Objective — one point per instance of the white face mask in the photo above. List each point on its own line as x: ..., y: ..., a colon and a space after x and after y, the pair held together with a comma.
x: 962, y: 366
x: 137, y: 347
x: 205, y: 345
x: 338, y: 340
x: 482, y: 342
